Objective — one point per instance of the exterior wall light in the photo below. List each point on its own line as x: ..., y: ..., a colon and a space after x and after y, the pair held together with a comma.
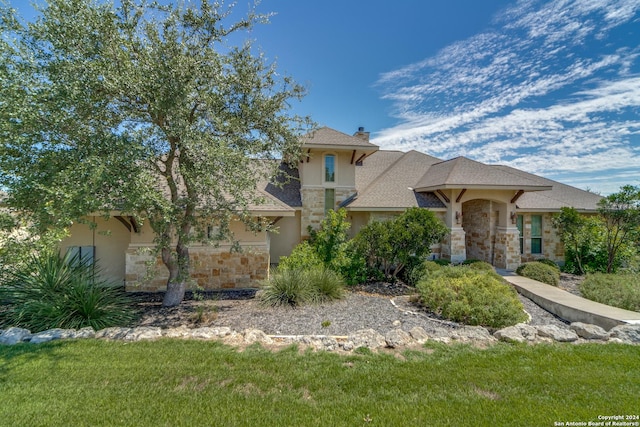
x: 513, y: 217
x: 458, y: 217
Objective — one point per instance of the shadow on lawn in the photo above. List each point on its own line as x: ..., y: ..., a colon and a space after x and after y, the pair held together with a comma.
x: 13, y: 356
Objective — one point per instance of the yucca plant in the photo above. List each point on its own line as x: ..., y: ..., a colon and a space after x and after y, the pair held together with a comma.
x: 51, y: 291
x: 287, y: 287
x: 327, y: 285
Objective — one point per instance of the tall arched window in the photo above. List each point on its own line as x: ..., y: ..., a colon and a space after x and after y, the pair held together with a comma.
x: 329, y: 168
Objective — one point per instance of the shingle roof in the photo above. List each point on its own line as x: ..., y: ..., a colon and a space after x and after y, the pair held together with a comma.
x: 326, y: 137
x: 386, y: 180
x: 463, y: 172
x: 288, y: 188
x: 561, y: 195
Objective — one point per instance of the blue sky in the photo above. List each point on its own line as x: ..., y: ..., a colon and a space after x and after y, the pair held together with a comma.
x: 550, y: 87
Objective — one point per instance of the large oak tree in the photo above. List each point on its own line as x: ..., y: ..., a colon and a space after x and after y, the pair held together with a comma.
x: 157, y: 111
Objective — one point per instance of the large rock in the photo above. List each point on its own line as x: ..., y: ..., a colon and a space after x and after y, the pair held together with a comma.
x: 209, y: 333
x: 13, y: 336
x: 114, y: 333
x: 528, y: 332
x: 52, y: 334
x: 144, y: 333
x: 256, y: 335
x: 472, y: 333
x: 397, y: 338
x: 367, y: 338
x: 419, y: 335
x: 509, y: 334
x: 557, y: 333
x: 629, y: 334
x: 589, y: 331
x: 84, y: 333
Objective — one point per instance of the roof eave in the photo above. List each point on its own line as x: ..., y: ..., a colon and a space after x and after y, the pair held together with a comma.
x: 526, y: 188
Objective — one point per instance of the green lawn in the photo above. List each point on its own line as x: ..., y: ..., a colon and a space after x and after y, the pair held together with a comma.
x: 195, y: 383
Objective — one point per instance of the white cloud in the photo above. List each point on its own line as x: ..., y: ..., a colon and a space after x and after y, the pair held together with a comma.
x: 544, y: 91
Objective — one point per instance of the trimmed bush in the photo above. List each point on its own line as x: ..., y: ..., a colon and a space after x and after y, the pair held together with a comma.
x: 482, y: 266
x: 548, y: 262
x: 617, y: 290
x: 472, y: 297
x: 50, y: 291
x: 541, y: 272
x: 295, y: 287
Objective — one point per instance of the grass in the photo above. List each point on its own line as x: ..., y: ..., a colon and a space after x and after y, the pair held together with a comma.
x: 194, y: 383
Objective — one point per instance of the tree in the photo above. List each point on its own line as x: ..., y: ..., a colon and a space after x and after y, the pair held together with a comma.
x: 392, y: 245
x: 146, y: 109
x: 581, y: 237
x: 621, y: 216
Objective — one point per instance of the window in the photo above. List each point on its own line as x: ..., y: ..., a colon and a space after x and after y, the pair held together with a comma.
x: 329, y: 168
x: 520, y: 222
x: 329, y: 199
x: 81, y: 254
x: 536, y: 234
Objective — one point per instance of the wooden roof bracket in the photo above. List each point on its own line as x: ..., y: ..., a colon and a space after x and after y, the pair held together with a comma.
x: 361, y: 157
x: 353, y: 156
x: 464, y: 190
x: 444, y: 196
x: 517, y: 196
x: 308, y: 154
x: 124, y: 222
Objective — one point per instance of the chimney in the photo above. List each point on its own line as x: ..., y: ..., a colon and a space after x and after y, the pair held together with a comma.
x: 362, y: 134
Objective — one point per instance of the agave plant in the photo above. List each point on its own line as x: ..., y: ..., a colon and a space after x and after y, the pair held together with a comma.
x: 51, y: 291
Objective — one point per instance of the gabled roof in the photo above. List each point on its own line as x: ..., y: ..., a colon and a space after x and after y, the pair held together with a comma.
x: 561, y: 195
x: 325, y: 137
x: 462, y: 172
x: 386, y: 180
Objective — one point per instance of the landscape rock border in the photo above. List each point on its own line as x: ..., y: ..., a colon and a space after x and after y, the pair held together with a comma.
x: 576, y: 333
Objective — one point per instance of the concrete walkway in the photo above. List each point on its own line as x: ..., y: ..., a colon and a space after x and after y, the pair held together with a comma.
x: 568, y: 306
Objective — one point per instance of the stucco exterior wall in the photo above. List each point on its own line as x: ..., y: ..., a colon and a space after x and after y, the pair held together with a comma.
x: 110, y: 238
x: 287, y: 237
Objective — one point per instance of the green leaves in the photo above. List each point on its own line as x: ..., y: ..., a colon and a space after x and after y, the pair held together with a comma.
x: 156, y: 110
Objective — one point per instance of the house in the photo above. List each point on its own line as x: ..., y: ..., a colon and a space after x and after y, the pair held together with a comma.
x: 494, y: 213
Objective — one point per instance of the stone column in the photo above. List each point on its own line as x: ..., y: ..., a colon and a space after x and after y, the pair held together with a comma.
x: 454, y: 247
x: 507, y: 248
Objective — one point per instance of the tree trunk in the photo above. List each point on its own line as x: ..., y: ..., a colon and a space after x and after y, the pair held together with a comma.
x: 178, y: 274
x: 174, y: 294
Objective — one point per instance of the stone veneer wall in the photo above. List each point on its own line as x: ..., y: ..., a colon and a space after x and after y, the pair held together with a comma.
x: 211, y: 268
x: 479, y: 225
x: 313, y: 205
x: 552, y: 247
x: 507, y: 248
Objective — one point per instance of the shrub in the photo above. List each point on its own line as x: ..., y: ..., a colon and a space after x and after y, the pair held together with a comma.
x: 442, y: 261
x: 326, y: 284
x: 295, y: 287
x: 287, y: 287
x: 472, y: 297
x: 548, y: 262
x: 395, y: 244
x: 481, y: 265
x: 421, y: 271
x: 540, y: 272
x: 50, y: 291
x: 617, y: 290
x: 303, y: 256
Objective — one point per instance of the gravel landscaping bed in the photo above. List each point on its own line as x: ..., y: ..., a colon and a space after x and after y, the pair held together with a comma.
x: 377, y: 306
